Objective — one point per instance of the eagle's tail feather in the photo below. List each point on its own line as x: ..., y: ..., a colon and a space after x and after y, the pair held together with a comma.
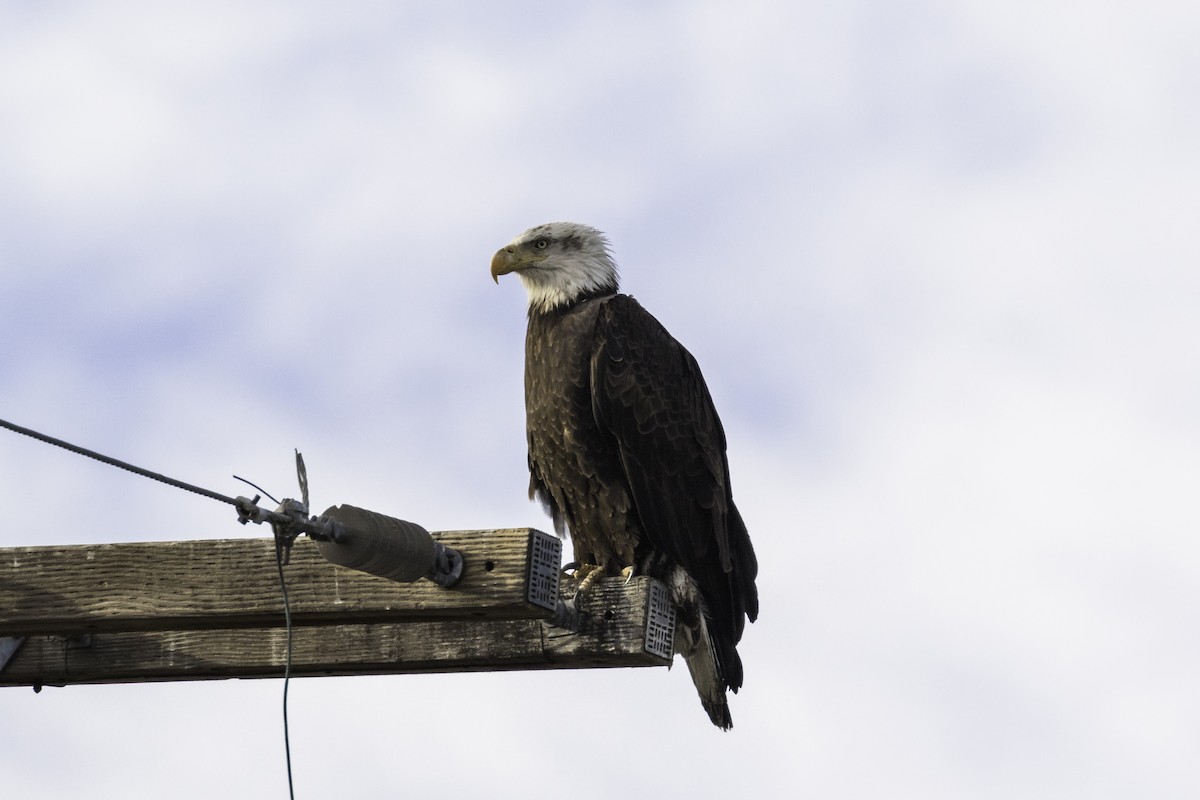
x: 713, y: 662
x: 706, y: 674
x: 702, y: 666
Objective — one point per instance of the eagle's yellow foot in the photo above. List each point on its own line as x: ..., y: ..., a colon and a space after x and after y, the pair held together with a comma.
x: 578, y: 571
x: 587, y: 574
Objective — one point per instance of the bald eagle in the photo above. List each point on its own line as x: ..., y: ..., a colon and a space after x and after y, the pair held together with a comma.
x: 626, y: 451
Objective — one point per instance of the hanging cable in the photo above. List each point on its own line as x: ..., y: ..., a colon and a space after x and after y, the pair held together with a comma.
x: 287, y: 663
x: 287, y: 523
x: 352, y: 537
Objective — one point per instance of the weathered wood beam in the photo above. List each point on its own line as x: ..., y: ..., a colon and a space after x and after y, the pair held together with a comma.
x: 233, y: 583
x: 213, y: 609
x: 616, y: 617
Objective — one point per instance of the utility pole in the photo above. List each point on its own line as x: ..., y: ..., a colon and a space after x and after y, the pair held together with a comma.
x: 209, y: 609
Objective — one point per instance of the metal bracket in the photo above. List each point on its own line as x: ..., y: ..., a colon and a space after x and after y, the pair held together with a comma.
x: 660, y: 622
x: 545, y: 562
x: 356, y: 538
x: 9, y: 645
x: 545, y: 570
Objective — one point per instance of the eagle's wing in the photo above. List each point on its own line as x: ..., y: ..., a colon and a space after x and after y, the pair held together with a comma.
x: 648, y: 393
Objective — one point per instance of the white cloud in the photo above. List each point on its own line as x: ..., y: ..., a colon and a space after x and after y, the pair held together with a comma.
x: 937, y: 264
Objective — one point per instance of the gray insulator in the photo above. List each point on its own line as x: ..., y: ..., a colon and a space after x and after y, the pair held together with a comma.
x: 384, y: 546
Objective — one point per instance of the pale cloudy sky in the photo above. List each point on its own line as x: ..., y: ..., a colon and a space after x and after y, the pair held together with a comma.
x: 938, y: 261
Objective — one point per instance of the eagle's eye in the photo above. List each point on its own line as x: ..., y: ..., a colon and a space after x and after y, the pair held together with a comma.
x: 541, y: 244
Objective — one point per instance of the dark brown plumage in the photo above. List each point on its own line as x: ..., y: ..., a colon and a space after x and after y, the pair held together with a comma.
x: 626, y: 450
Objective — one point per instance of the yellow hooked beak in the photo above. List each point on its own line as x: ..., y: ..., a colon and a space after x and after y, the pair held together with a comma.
x: 504, y: 262
x: 514, y: 258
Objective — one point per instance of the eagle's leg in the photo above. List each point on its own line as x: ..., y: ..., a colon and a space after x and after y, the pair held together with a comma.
x: 578, y: 569
x: 587, y: 574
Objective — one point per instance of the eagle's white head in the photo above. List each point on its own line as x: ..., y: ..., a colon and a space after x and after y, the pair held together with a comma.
x: 559, y: 263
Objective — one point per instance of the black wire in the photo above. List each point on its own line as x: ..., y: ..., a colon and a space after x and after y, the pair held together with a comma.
x: 256, y: 486
x: 280, y: 543
x: 287, y: 667
x: 83, y: 451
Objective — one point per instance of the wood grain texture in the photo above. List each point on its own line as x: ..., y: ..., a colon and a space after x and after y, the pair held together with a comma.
x: 233, y: 583
x: 612, y: 635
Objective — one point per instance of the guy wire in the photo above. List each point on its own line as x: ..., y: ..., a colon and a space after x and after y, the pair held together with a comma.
x: 83, y: 451
x: 279, y: 545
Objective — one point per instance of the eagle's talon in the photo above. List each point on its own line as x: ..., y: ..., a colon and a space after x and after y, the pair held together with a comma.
x: 578, y: 569
x: 590, y: 573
